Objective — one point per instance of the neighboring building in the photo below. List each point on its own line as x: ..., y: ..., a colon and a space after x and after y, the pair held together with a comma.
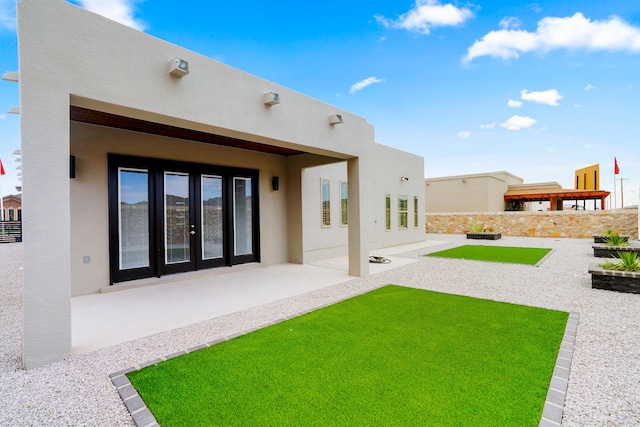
x: 172, y: 174
x: 537, y: 205
x: 588, y: 178
x: 500, y: 191
x: 12, y: 207
x: 481, y: 192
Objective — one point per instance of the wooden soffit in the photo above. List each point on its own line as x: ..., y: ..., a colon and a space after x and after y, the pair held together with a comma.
x: 539, y: 195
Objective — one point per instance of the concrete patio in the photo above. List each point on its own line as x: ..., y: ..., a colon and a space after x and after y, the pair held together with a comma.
x: 153, y: 306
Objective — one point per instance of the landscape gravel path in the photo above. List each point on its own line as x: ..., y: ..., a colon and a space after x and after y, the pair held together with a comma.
x: 604, y: 384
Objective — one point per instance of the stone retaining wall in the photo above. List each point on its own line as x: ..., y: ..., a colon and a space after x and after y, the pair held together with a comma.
x: 578, y: 224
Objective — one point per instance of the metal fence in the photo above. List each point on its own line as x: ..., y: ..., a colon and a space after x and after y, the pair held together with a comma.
x: 10, y: 231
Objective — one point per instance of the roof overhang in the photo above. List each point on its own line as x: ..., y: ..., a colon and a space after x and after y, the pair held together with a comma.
x: 85, y: 115
x: 548, y: 194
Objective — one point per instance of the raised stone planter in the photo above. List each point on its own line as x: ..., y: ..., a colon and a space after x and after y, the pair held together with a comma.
x: 613, y: 280
x: 604, y: 251
x: 485, y: 235
x: 603, y: 239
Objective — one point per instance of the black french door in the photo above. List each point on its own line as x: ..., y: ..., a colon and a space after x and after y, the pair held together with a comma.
x: 169, y: 217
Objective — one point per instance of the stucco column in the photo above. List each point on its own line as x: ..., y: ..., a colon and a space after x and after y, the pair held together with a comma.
x: 46, y: 230
x: 44, y: 127
x: 294, y: 211
x: 358, y: 219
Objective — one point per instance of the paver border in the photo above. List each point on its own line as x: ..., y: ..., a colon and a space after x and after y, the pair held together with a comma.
x: 551, y: 413
x: 556, y: 395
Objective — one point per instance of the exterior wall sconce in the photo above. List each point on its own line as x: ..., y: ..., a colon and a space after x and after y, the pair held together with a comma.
x: 72, y: 167
x: 404, y: 178
x: 178, y: 67
x: 271, y: 98
x: 335, y: 119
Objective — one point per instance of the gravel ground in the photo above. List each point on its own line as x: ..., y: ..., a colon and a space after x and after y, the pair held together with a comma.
x: 604, y: 386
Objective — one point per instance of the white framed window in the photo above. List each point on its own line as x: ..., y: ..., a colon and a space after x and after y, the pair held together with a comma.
x: 344, y: 200
x: 325, y: 190
x: 415, y: 212
x: 402, y: 212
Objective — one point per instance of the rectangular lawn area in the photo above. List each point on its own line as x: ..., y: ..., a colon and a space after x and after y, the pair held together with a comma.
x: 392, y: 356
x: 513, y: 255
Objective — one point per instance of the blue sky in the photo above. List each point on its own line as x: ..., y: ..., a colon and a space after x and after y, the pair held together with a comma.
x: 539, y: 89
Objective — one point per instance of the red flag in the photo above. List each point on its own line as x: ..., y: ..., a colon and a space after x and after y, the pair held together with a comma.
x: 616, y: 169
x: 1, y: 168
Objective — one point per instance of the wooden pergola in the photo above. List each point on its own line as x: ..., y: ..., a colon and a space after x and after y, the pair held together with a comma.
x: 556, y: 196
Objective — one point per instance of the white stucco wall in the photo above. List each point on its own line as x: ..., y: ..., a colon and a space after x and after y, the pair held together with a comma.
x: 68, y: 56
x: 389, y: 166
x: 384, y: 177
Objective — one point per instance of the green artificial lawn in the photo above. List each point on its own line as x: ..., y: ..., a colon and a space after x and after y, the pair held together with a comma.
x: 509, y: 254
x: 393, y: 356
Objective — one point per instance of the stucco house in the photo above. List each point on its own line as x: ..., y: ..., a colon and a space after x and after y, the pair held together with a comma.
x: 12, y: 205
x: 499, y: 191
x: 480, y: 192
x: 161, y: 161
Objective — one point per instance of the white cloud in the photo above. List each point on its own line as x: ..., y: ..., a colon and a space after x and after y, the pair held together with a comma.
x: 488, y: 126
x: 121, y: 11
x: 8, y: 14
x: 364, y: 83
x: 589, y: 87
x: 572, y: 32
x: 510, y: 22
x: 549, y: 97
x: 464, y: 134
x: 535, y: 7
x: 428, y: 14
x: 518, y: 122
x: 3, y: 116
x: 514, y: 104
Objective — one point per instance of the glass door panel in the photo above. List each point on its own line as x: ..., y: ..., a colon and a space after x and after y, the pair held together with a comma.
x: 133, y: 218
x: 212, y: 217
x: 242, y: 217
x: 177, y: 227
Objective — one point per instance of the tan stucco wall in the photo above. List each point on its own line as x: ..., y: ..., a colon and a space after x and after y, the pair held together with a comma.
x: 468, y: 193
x: 67, y: 57
x: 89, y: 211
x: 458, y: 195
x: 576, y: 224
